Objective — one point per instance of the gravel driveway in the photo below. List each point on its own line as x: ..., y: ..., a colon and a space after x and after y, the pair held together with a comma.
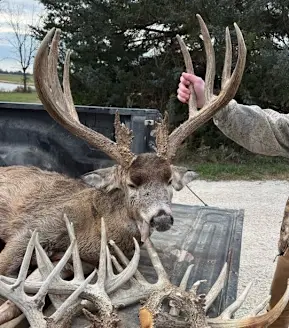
x: 264, y: 203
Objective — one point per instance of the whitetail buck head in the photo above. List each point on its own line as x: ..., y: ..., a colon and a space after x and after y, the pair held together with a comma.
x: 147, y: 180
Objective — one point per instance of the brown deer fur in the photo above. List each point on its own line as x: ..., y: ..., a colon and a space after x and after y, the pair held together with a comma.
x: 31, y: 198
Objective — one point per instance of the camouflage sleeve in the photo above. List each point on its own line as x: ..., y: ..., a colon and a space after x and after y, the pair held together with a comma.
x: 261, y: 131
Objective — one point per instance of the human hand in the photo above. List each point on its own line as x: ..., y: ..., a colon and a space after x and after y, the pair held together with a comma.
x: 184, y: 92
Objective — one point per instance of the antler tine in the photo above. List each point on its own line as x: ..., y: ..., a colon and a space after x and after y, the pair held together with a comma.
x: 115, y: 281
x: 19, y: 284
x: 109, y: 268
x: 183, y: 285
x: 72, y: 301
x: 116, y: 264
x: 210, y: 54
x: 77, y: 265
x: 196, y: 285
x: 55, y: 272
x: 213, y: 103
x: 228, y: 59
x: 119, y: 269
x: 67, y: 90
x: 124, y: 260
x: 45, y: 267
x: 156, y: 262
x: 162, y: 136
x: 185, y: 279
x: 102, y: 257
x: 260, y: 307
x: 60, y: 105
x: 16, y: 294
x: 261, y: 321
x: 217, y: 287
x: 9, y: 310
x: 230, y: 310
x: 140, y: 288
x: 190, y: 69
x: 52, y: 76
x: 44, y: 264
x: 123, y: 137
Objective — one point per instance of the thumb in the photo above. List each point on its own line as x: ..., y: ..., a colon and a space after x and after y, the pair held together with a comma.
x: 194, y: 79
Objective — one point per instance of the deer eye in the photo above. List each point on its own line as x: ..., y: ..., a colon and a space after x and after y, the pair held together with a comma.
x: 170, y: 182
x: 131, y: 185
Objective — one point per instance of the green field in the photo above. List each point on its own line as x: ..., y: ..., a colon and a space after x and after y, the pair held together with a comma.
x: 259, y: 170
x: 19, y: 97
x: 14, y: 78
x: 245, y: 166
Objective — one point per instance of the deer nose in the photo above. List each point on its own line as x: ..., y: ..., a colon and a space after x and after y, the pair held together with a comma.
x: 162, y: 221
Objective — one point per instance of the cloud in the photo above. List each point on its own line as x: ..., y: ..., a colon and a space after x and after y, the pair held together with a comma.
x: 27, y: 12
x: 27, y: 4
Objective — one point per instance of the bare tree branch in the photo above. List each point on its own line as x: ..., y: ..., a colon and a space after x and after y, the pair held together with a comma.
x: 23, y: 42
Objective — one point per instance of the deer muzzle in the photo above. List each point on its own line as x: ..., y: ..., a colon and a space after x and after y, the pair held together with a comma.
x: 162, y: 221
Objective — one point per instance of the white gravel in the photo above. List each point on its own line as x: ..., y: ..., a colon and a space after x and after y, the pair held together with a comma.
x: 264, y: 203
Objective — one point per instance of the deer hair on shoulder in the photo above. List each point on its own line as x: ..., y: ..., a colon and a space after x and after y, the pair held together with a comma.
x: 99, y: 299
x: 59, y: 103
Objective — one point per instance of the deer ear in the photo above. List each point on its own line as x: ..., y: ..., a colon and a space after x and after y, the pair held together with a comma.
x: 102, y: 178
x: 181, y: 176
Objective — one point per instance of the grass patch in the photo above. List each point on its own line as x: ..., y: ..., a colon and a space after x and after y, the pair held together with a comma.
x: 31, y: 97
x: 15, y: 78
x: 250, y: 171
x: 227, y: 164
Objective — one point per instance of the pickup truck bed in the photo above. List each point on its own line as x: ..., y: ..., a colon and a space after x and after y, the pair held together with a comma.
x: 29, y: 136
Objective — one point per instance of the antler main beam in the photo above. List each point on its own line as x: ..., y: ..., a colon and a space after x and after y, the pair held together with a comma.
x: 59, y: 103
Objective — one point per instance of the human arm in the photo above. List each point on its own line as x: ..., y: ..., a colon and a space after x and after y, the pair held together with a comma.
x: 261, y: 131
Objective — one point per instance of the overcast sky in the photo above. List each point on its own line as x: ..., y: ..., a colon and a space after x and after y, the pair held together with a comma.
x: 28, y: 7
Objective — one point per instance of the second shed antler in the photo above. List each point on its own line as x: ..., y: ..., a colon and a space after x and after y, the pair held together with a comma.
x: 191, y: 305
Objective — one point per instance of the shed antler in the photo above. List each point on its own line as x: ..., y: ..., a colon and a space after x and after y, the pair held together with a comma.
x: 59, y: 103
x: 68, y: 297
x: 169, y: 144
x: 188, y: 308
